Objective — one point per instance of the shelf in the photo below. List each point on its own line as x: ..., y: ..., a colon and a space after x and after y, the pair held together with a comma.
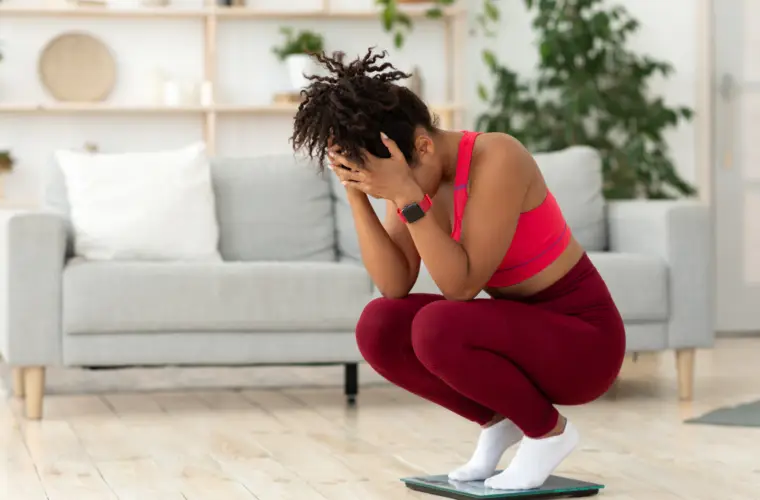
x: 269, y: 109
x: 98, y: 108
x: 220, y: 12
x: 261, y: 109
x: 210, y: 18
x: 248, y: 13
x: 142, y: 12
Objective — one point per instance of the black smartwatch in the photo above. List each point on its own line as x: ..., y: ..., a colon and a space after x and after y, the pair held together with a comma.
x: 415, y: 211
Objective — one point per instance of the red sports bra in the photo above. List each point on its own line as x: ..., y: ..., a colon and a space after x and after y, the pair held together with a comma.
x: 541, y: 235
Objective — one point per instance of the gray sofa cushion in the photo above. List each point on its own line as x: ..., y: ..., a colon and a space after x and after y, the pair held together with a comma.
x: 348, y: 241
x: 103, y: 297
x: 638, y: 284
x: 574, y: 175
x: 273, y: 208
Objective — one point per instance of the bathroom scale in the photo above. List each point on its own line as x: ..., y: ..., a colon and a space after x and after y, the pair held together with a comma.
x: 554, y: 487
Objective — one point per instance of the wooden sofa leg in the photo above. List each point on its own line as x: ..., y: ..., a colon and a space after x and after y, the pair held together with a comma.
x: 34, y: 386
x: 18, y: 381
x: 685, y: 368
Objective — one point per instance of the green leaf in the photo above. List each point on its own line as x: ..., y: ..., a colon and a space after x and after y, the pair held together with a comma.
x: 388, y: 19
x: 398, y: 40
x: 490, y: 59
x: 482, y: 92
x: 491, y: 11
x: 434, y: 13
x: 546, y: 50
x: 404, y: 19
x: 303, y: 42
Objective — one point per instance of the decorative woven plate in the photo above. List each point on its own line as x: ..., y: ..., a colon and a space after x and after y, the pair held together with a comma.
x: 77, y: 67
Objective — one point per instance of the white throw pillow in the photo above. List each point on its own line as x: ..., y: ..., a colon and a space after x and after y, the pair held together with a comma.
x: 142, y: 206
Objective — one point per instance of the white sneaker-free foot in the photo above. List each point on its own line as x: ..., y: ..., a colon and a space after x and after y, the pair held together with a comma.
x: 535, y: 461
x: 492, y: 444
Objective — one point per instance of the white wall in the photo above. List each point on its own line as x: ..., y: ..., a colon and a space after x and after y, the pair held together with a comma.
x: 249, y: 73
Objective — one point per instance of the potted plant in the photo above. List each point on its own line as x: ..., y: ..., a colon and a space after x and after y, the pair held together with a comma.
x: 590, y: 88
x: 297, y: 51
x: 6, y: 162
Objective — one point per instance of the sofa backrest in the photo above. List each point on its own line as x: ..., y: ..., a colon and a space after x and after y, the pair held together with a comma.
x: 273, y: 208
x: 278, y: 208
x: 574, y: 176
x: 268, y: 208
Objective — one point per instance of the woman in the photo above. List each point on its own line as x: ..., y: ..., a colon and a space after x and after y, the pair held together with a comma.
x: 476, y: 210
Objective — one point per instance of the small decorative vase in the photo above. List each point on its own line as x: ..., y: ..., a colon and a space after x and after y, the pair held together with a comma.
x: 172, y: 93
x: 299, y: 65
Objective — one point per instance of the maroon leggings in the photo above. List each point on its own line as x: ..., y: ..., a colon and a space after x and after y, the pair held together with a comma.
x: 486, y: 357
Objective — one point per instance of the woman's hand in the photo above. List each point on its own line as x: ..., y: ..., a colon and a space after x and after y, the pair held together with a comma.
x: 387, y: 178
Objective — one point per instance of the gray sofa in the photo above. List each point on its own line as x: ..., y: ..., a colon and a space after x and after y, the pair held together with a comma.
x: 292, y: 288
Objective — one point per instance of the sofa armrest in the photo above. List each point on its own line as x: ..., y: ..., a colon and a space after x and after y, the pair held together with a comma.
x: 32, y: 255
x: 679, y: 232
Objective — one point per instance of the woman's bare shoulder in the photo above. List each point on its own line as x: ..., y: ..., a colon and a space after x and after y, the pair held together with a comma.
x: 502, y: 151
x: 499, y: 142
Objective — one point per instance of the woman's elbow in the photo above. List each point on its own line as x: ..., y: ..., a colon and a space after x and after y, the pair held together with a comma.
x: 461, y: 294
x: 394, y: 292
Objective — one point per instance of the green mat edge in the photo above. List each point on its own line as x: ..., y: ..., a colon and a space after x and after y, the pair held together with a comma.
x: 709, y: 417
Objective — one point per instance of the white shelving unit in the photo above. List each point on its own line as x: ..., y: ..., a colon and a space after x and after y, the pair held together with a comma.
x: 212, y: 17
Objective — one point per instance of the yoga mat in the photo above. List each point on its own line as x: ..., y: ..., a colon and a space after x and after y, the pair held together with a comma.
x: 743, y: 415
x: 554, y: 487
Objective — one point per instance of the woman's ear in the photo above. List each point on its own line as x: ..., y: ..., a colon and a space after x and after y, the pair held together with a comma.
x: 424, y: 145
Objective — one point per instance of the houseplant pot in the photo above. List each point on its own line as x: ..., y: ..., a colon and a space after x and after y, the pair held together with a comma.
x: 299, y: 65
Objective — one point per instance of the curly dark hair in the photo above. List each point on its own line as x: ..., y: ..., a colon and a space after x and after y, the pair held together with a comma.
x: 353, y: 105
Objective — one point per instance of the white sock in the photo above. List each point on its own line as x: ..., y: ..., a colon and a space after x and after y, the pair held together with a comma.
x: 535, y: 461
x: 492, y: 444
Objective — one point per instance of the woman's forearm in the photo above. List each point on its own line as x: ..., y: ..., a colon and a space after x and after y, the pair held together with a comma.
x: 445, y: 259
x: 383, y: 259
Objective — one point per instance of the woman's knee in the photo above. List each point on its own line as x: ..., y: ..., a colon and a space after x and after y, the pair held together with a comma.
x: 437, y: 335
x: 381, y: 328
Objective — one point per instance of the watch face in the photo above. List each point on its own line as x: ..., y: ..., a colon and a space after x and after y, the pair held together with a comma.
x: 413, y: 213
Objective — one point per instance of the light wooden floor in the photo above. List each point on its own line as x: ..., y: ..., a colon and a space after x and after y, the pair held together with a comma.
x: 303, y: 443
